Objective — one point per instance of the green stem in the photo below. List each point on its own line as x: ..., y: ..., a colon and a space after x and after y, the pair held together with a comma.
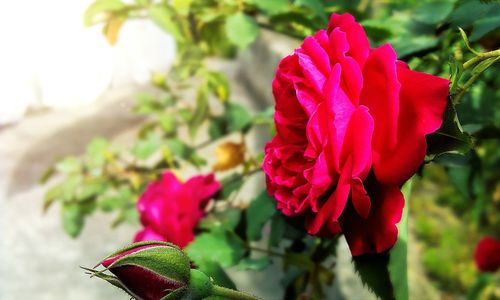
x: 231, y: 294
x: 465, y: 87
x: 471, y: 62
x: 481, y: 57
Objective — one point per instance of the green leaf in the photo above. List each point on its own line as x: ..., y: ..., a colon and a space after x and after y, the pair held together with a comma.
x: 238, y: 117
x: 146, y: 103
x: 96, y: 152
x: 406, y: 45
x: 179, y: 148
x: 186, y: 114
x: 456, y: 71
x: 451, y: 160
x: 481, y: 283
x: 398, y: 266
x: 70, y: 186
x: 216, y: 272
x: 271, y: 7
x: 466, y: 41
x: 450, y: 136
x: 91, y: 188
x: 100, y: 7
x: 278, y: 228
x: 255, y: 264
x: 241, y: 29
x: 225, y: 247
x: 227, y: 219
x: 52, y: 195
x: 47, y: 174
x: 182, y: 6
x: 72, y: 219
x: 218, y: 85
x: 167, y: 123
x: 483, y: 26
x: 144, y: 148
x: 217, y: 127
x: 372, y: 269
x: 315, y: 5
x: 433, y: 12
x: 201, y: 111
x: 115, y: 200
x: 482, y: 66
x: 69, y: 165
x: 162, y: 15
x: 230, y: 184
x: 261, y: 209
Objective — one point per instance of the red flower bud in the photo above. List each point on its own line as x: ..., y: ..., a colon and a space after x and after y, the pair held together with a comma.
x: 487, y: 254
x: 149, y: 270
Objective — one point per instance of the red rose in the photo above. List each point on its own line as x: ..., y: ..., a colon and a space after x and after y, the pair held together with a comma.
x: 487, y: 254
x: 170, y: 210
x: 351, y: 123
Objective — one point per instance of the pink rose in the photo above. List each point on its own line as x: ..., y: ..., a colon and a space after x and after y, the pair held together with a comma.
x: 487, y: 254
x: 170, y: 210
x: 351, y: 123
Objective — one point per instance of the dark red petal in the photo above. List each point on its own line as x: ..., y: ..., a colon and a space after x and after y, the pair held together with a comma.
x: 359, y: 197
x: 145, y: 284
x: 423, y: 99
x: 378, y: 232
x: 334, y: 205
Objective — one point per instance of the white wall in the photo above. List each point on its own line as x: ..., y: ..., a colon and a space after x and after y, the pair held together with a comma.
x: 48, y: 58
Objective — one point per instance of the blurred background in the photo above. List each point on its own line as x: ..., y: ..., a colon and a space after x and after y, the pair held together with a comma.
x: 63, y: 83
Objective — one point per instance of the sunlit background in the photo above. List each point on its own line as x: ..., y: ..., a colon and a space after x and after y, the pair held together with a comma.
x: 49, y: 59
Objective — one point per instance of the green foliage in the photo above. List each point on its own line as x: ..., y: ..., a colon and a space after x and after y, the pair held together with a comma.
x: 373, y: 271
x: 241, y: 30
x: 450, y: 137
x: 72, y: 219
x: 261, y: 209
x: 224, y: 247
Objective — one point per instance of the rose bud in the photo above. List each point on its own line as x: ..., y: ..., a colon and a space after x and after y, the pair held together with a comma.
x: 160, y: 271
x: 487, y: 254
x: 149, y: 270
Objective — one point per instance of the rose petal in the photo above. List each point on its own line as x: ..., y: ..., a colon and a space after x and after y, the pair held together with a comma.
x: 423, y: 99
x: 381, y: 95
x: 359, y: 46
x: 378, y: 232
